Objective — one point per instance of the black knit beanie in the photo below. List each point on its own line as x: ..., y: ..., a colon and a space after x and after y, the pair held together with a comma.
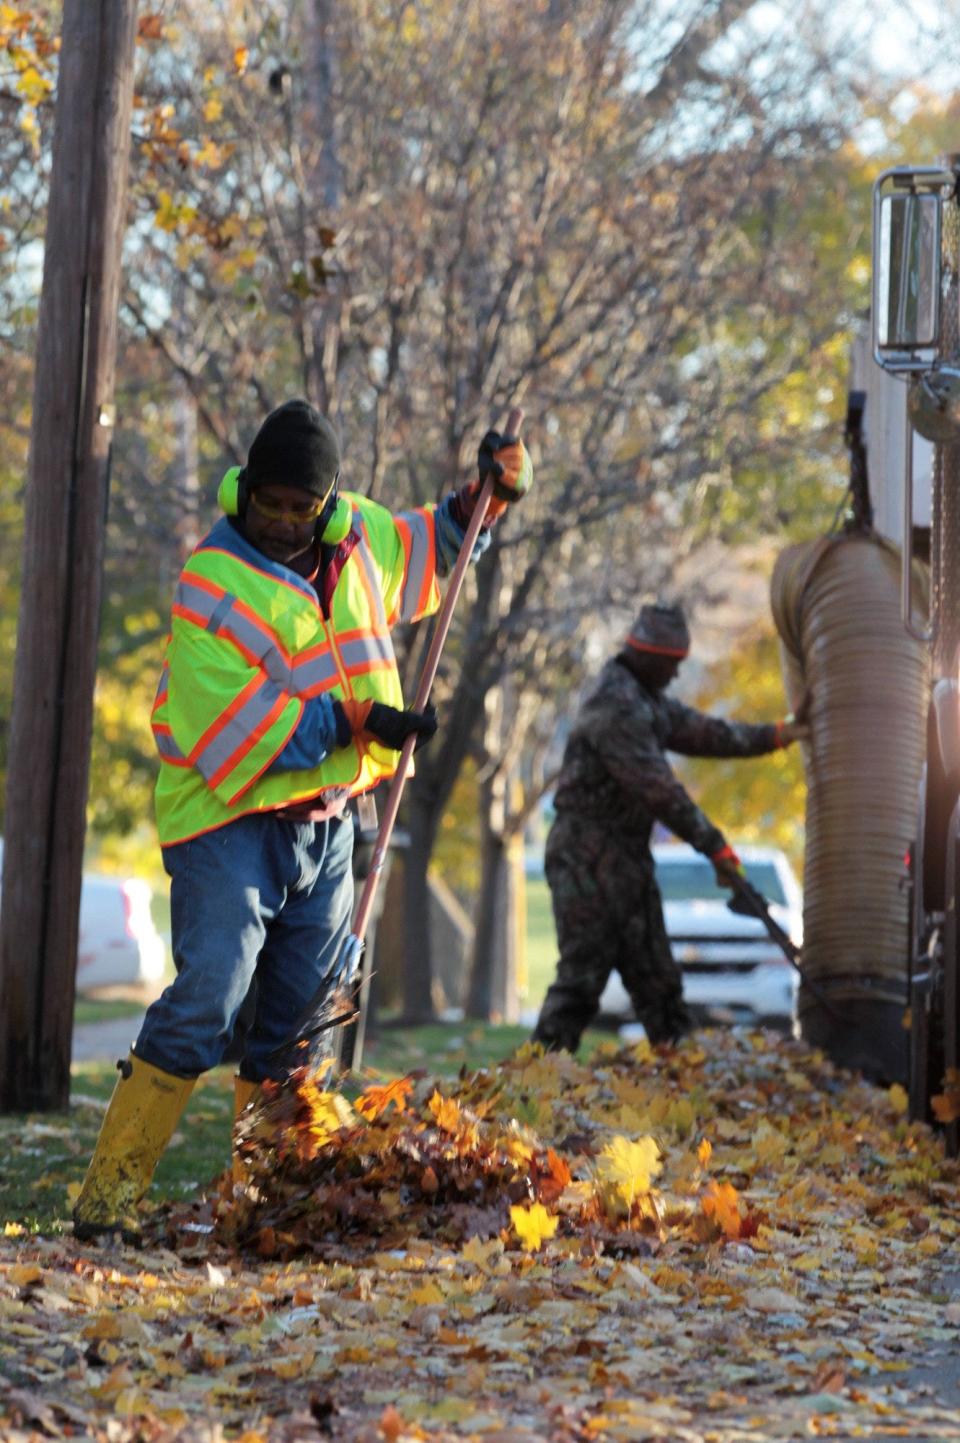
x: 295, y: 446
x: 660, y: 629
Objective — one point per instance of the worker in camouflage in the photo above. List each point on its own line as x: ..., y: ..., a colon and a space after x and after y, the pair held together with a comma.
x: 615, y: 783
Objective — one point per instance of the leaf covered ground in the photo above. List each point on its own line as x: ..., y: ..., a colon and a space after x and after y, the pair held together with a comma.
x: 728, y: 1240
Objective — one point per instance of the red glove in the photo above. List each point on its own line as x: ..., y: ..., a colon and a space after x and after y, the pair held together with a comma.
x: 727, y: 866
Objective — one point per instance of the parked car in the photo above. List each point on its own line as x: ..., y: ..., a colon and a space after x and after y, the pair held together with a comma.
x: 732, y: 971
x: 119, y: 945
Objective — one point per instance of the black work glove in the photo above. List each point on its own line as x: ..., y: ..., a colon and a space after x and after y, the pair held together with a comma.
x: 387, y: 724
x: 392, y: 726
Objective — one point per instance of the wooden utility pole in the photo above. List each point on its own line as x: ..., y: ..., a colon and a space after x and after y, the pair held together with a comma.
x: 67, y: 491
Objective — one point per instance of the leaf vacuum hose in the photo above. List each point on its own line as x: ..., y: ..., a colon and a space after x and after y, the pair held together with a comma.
x: 836, y: 606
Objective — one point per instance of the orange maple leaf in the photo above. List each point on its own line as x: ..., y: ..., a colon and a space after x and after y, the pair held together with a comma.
x: 391, y: 1424
x: 721, y: 1203
x: 150, y: 26
x: 553, y: 1177
x: 375, y: 1100
x: 946, y: 1106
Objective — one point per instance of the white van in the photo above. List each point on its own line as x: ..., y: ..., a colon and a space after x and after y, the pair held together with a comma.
x: 119, y: 946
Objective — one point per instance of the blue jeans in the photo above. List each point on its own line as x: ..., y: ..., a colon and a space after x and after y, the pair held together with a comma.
x: 257, y: 898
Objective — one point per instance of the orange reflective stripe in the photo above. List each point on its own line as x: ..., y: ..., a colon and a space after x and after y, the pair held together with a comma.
x: 255, y: 684
x: 416, y: 530
x: 163, y: 689
x: 429, y: 564
x: 246, y: 747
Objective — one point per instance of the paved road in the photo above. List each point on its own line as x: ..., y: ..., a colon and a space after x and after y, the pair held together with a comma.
x: 105, y: 1041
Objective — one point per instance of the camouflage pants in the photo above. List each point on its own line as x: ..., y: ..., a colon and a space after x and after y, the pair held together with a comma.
x: 608, y: 914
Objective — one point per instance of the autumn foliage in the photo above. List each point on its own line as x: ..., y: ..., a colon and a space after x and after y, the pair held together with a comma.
x: 730, y: 1231
x: 620, y: 1157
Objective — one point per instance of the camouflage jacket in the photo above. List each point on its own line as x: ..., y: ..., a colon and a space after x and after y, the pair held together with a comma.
x: 614, y: 768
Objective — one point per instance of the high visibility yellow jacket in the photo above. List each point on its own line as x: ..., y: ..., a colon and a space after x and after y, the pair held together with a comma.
x: 250, y: 647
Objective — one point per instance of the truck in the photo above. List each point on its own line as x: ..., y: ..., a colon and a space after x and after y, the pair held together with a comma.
x: 915, y: 321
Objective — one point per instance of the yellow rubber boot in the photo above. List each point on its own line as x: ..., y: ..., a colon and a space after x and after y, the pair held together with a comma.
x: 243, y: 1093
x: 143, y: 1112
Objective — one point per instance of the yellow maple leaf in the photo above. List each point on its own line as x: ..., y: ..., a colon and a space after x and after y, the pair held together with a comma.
x: 33, y: 86
x: 898, y: 1099
x: 769, y: 1145
x: 482, y: 1255
x: 327, y: 1113
x: 533, y: 1225
x: 426, y: 1294
x: 446, y: 1112
x: 705, y: 1152
x: 23, y: 1274
x: 212, y: 110
x: 209, y: 154
x: 681, y: 1116
x: 626, y: 1169
x: 241, y: 57
x: 296, y: 1366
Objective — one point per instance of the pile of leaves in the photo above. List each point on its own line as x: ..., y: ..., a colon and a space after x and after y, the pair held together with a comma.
x: 402, y: 1159
x: 636, y: 1148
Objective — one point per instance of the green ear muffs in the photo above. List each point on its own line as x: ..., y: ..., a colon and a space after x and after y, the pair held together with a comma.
x: 336, y: 526
x: 332, y: 528
x: 232, y: 492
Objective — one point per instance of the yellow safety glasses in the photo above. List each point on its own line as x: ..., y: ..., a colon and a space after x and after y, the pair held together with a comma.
x: 298, y: 517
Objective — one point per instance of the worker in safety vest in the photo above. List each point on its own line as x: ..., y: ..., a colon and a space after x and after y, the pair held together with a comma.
x: 279, y: 700
x: 615, y: 783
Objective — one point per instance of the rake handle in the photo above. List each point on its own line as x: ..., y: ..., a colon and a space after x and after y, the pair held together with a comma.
x: 424, y: 687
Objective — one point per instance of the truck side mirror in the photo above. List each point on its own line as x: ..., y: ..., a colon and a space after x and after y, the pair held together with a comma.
x: 908, y: 272
x: 907, y: 220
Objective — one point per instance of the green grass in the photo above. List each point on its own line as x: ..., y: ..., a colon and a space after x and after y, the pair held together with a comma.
x: 92, y: 1009
x: 441, y: 1047
x: 541, y: 942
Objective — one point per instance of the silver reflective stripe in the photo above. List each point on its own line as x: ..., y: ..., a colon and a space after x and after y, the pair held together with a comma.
x: 167, y: 747
x: 420, y: 560
x: 364, y: 649
x: 260, y: 645
x: 195, y: 599
x: 365, y: 559
x: 313, y: 674
x: 221, y: 610
x: 238, y: 730
x: 221, y: 615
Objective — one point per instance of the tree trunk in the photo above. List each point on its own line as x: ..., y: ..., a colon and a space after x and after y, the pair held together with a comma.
x: 494, y: 971
x: 67, y: 492
x: 418, y: 969
x: 188, y: 466
x: 324, y: 185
